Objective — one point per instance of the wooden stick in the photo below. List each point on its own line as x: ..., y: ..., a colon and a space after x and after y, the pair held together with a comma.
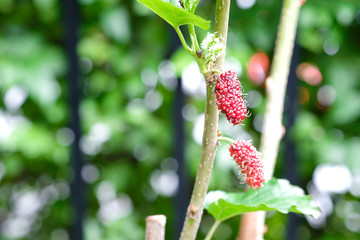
x: 155, y: 227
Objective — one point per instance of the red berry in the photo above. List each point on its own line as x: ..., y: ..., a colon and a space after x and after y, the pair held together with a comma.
x: 248, y: 158
x: 229, y: 97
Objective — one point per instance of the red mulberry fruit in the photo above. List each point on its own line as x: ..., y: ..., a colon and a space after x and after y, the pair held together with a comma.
x: 248, y: 158
x: 229, y: 97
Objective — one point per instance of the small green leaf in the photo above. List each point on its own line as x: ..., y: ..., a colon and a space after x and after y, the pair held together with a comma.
x: 277, y: 194
x: 175, y: 16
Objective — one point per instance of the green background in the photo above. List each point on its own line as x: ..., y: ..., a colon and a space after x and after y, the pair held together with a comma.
x: 126, y: 112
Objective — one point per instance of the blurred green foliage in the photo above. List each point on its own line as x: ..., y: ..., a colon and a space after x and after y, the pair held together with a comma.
x: 126, y: 115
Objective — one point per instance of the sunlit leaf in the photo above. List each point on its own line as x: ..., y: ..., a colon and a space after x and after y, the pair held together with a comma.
x: 277, y: 194
x: 175, y: 16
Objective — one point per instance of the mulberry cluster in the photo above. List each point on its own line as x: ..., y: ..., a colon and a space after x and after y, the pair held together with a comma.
x: 248, y: 158
x: 229, y: 97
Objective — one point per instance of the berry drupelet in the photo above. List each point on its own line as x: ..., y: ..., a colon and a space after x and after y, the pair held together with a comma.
x: 248, y: 158
x: 229, y: 97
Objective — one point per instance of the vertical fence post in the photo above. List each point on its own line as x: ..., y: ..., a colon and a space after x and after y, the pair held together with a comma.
x: 291, y: 168
x: 71, y: 13
x: 182, y: 196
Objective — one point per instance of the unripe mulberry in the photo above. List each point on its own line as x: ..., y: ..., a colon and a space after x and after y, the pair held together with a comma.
x: 248, y: 158
x: 229, y: 97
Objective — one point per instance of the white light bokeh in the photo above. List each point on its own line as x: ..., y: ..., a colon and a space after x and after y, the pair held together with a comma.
x: 214, y: 196
x: 10, y: 123
x: 50, y: 89
x: 90, y: 173
x: 332, y: 178
x: 149, y: 78
x: 233, y: 64
x: 345, y: 15
x: 253, y: 99
x: 100, y: 131
x: 113, y: 208
x: 193, y: 82
x: 225, y: 162
x: 63, y: 189
x: 65, y: 136
x: 198, y: 129
x: 326, y: 95
x: 86, y: 65
x: 232, y: 131
x: 323, y: 200
x: 189, y: 112
x: 245, y: 4
x: 15, y: 228
x: 153, y: 100
x: 59, y: 234
x: 105, y: 191
x: 165, y: 182
x: 330, y: 47
x: 5, y: 127
x: 352, y: 221
x: 141, y: 152
x: 49, y: 194
x: 15, y: 97
x: 343, y: 207
x: 350, y: 212
x: 169, y: 164
x: 26, y: 205
x: 317, y: 133
x: 111, y: 19
x: 136, y: 106
x: 167, y: 74
x: 98, y: 135
x: 259, y: 122
x: 355, y: 185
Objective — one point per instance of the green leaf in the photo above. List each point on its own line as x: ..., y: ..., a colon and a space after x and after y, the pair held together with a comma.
x: 277, y: 194
x: 175, y: 16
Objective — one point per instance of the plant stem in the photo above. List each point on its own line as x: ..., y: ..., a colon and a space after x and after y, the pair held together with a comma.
x: 276, y: 85
x: 221, y: 28
x: 182, y: 39
x: 194, y: 41
x: 275, y: 90
x: 195, y: 3
x: 195, y: 209
x: 226, y: 139
x: 196, y: 206
x: 212, y: 230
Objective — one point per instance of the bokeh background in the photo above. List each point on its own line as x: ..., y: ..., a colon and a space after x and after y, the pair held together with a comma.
x: 141, y: 101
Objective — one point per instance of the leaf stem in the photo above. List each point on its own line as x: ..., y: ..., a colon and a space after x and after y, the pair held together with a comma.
x: 194, y: 41
x: 226, y: 139
x: 212, y: 230
x: 182, y: 39
x: 193, y: 7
